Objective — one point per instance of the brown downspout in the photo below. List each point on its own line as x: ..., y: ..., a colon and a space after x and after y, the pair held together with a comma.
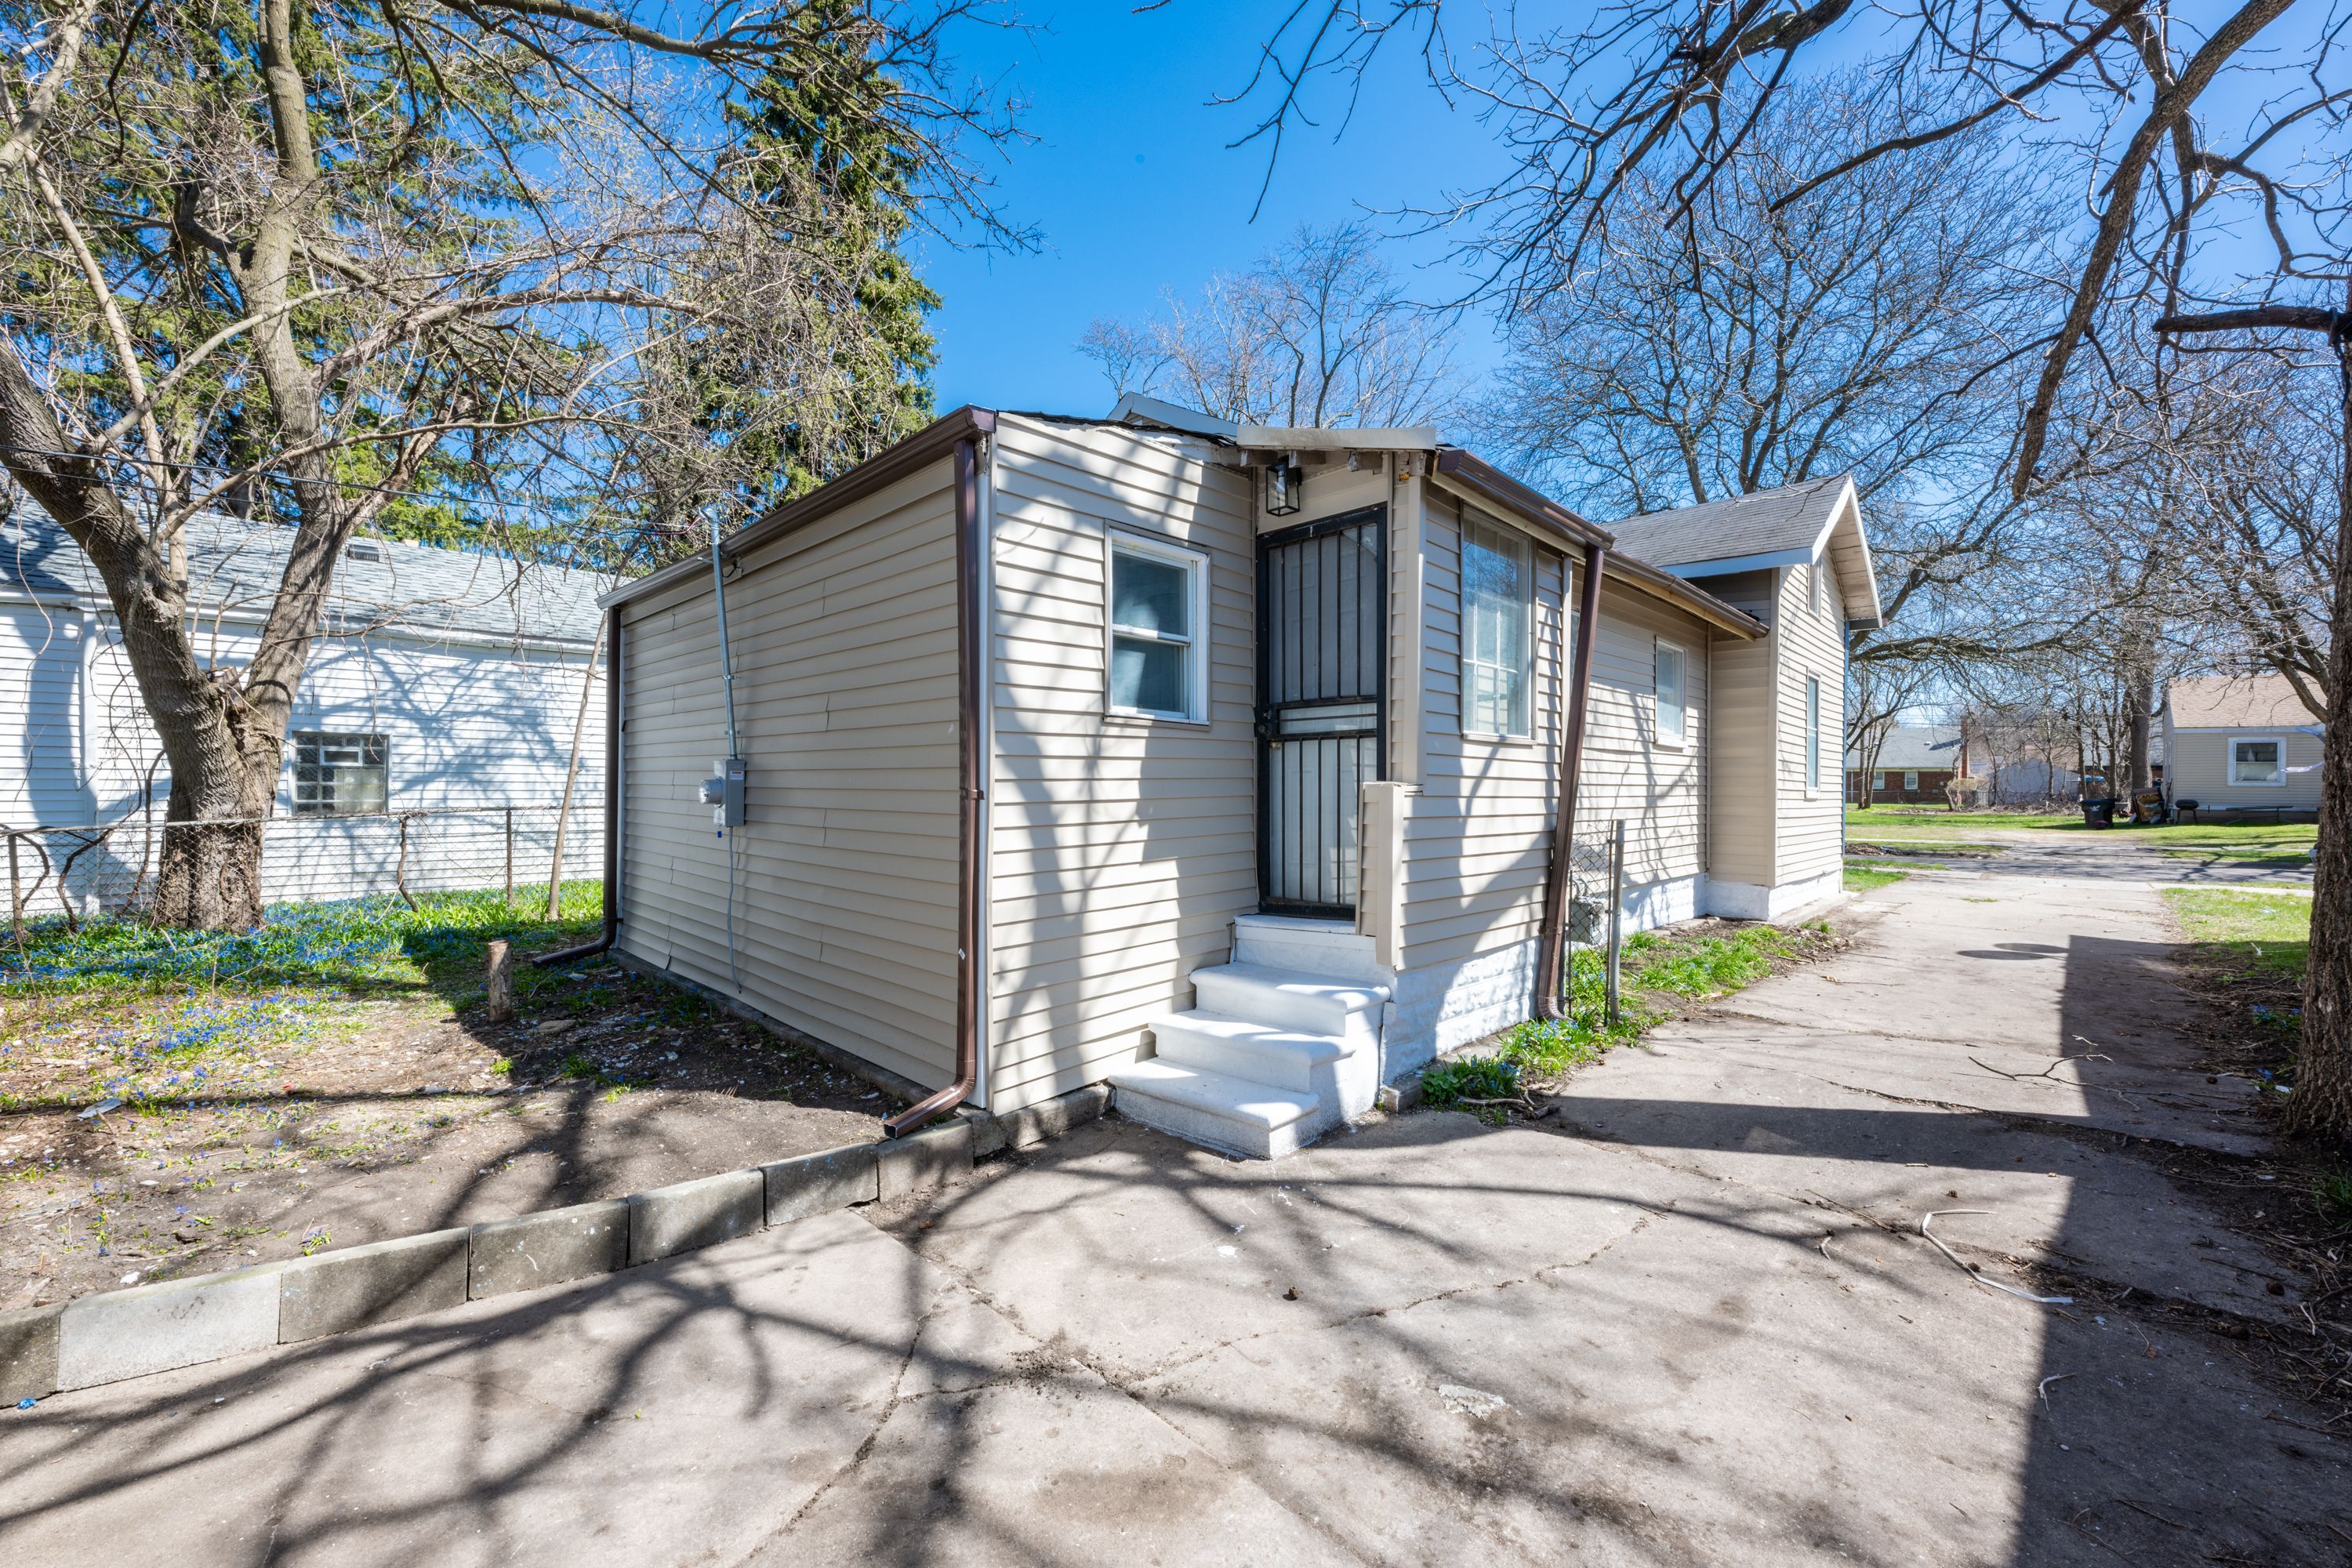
x: 612, y: 805
x: 1553, y: 933
x: 970, y: 749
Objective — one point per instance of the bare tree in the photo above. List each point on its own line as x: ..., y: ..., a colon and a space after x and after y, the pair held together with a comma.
x: 1318, y: 333
x: 2117, y: 94
x: 312, y: 258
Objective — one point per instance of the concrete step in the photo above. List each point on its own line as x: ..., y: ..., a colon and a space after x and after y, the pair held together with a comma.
x: 1238, y: 1116
x: 1333, y: 949
x: 1291, y: 999
x: 1216, y: 1042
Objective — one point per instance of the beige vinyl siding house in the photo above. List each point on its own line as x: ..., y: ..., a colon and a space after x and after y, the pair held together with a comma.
x: 842, y: 918
x: 1266, y: 729
x: 2240, y: 742
x: 1796, y: 559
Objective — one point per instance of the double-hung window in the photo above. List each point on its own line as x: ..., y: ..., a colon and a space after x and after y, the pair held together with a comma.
x: 2257, y: 760
x: 1497, y: 593
x: 1669, y: 678
x: 1910, y: 781
x: 338, y: 774
x: 1159, y: 618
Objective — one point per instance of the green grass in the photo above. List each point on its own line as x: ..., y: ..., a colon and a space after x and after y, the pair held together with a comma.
x: 157, y: 1008
x: 1862, y: 875
x: 2261, y: 935
x: 1701, y: 969
x: 1935, y: 822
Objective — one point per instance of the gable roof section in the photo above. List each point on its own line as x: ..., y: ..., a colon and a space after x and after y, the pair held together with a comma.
x: 1916, y: 747
x: 2236, y: 702
x: 1790, y: 526
x: 234, y: 568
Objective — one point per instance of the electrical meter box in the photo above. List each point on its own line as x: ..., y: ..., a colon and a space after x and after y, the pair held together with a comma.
x: 723, y: 793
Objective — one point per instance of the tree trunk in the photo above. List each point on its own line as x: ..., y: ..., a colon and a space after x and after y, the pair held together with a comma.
x: 2321, y: 1105
x: 2142, y: 700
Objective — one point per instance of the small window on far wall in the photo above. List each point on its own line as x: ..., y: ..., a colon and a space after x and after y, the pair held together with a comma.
x: 1878, y: 780
x: 1497, y: 588
x: 1673, y: 711
x: 1159, y: 596
x: 1910, y: 781
x: 338, y: 774
x: 1813, y: 734
x: 2257, y: 762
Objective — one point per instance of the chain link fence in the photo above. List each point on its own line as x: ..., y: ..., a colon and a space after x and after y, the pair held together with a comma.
x: 109, y: 869
x: 1596, y: 896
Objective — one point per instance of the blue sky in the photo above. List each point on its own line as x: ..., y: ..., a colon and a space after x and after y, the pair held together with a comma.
x: 1133, y: 188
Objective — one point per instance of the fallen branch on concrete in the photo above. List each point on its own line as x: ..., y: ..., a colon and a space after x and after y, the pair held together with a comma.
x: 1963, y: 1266
x: 2042, y: 1389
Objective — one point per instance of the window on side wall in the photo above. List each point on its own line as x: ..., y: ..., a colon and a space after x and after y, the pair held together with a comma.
x: 340, y: 775
x: 1910, y: 780
x: 1158, y: 611
x: 1813, y: 734
x: 1497, y: 654
x: 1813, y: 575
x: 2257, y: 760
x: 1671, y: 679
x: 1878, y: 780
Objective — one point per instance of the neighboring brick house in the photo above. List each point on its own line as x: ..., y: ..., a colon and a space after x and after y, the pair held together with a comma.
x: 1915, y: 764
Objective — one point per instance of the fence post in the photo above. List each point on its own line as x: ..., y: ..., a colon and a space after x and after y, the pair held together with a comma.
x: 15, y: 900
x: 510, y: 900
x: 400, y: 871
x: 501, y: 983
x: 1616, y: 902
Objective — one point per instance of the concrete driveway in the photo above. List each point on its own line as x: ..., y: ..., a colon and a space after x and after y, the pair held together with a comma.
x: 1693, y: 1324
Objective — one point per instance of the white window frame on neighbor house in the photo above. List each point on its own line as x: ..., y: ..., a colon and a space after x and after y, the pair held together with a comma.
x: 2278, y: 770
x: 1679, y: 736
x: 1194, y: 640
x: 1910, y: 781
x: 1516, y: 678
x: 1878, y: 779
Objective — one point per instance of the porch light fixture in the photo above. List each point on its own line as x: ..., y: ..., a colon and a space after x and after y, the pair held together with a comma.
x: 1284, y: 481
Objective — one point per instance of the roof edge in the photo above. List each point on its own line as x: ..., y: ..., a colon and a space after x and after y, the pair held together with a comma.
x: 879, y: 472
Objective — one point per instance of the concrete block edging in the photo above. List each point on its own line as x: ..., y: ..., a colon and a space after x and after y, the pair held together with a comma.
x: 118, y: 1334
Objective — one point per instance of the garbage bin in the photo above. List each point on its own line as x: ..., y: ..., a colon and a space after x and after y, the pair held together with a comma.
x: 2100, y: 813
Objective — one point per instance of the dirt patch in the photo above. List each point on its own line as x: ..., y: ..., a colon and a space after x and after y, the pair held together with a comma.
x: 402, y: 1116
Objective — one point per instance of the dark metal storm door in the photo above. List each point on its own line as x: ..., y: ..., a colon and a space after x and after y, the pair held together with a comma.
x: 1322, y: 705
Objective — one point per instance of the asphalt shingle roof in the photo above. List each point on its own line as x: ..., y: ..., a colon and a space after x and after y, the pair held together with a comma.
x: 235, y: 566
x: 1916, y: 746
x: 2235, y: 702
x: 1789, y: 518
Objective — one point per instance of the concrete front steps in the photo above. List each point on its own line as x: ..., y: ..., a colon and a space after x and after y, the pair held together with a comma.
x: 1283, y: 1045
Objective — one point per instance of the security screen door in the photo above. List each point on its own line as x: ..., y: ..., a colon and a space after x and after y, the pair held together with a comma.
x: 1322, y: 689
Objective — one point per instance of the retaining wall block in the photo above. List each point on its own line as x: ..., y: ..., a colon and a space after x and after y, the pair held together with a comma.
x: 379, y: 1283
x: 820, y: 1183
x: 1032, y: 1124
x: 923, y: 1161
x: 28, y: 1354
x: 548, y: 1248
x: 154, y: 1328
x: 684, y: 1215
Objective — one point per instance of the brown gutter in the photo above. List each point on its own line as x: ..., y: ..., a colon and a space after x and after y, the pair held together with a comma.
x: 1475, y: 474
x: 971, y: 904
x: 612, y: 807
x: 1552, y: 934
x: 925, y: 446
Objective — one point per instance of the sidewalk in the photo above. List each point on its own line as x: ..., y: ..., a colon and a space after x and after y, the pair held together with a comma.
x: 1697, y: 1324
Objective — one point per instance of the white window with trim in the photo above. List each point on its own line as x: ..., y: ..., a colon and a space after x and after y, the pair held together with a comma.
x: 2257, y: 760
x: 1670, y: 680
x: 1878, y: 780
x: 1159, y: 617
x: 1910, y: 780
x: 1497, y: 646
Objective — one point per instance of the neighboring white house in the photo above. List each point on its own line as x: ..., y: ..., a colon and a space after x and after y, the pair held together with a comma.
x: 1219, y: 763
x: 444, y: 682
x: 2238, y: 742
